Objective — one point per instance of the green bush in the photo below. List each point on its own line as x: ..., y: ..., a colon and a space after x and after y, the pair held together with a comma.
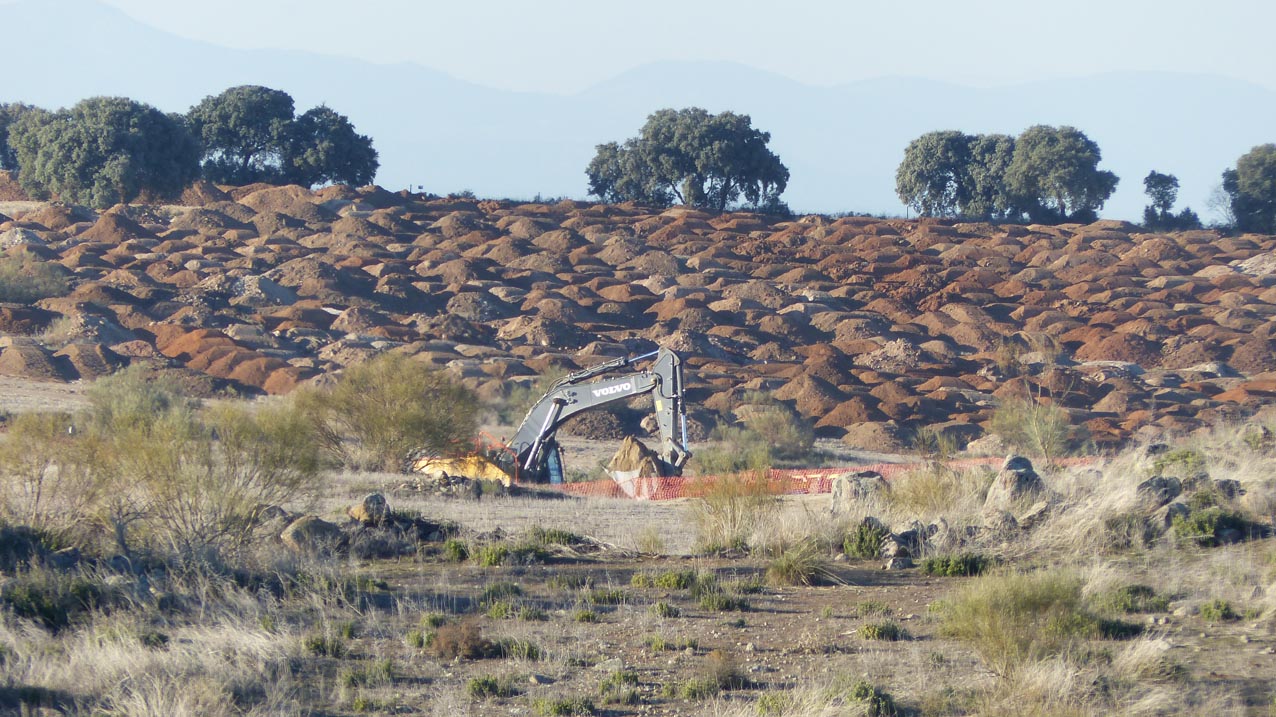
x: 603, y: 596
x: 721, y: 602
x: 1183, y: 462
x: 886, y: 630
x: 1218, y: 611
x: 554, y: 536
x: 55, y: 599
x: 456, y: 551
x: 960, y: 565
x: 618, y: 688
x: 1130, y: 599
x: 488, y: 686
x: 664, y: 609
x: 520, y: 649
x: 376, y: 674
x: 325, y: 645
x: 385, y: 408
x: 1204, y: 527
x: 563, y: 706
x: 876, y: 702
x: 490, y: 556
x: 865, y: 541
x: 497, y: 591
x: 25, y: 279
x: 586, y: 616
x: 529, y: 613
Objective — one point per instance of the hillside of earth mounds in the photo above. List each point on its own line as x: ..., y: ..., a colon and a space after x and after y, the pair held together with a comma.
x: 867, y: 327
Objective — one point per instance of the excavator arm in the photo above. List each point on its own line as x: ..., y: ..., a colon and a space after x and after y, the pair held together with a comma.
x: 533, y: 449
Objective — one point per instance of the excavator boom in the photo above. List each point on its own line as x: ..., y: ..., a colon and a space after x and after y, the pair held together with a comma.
x: 533, y: 444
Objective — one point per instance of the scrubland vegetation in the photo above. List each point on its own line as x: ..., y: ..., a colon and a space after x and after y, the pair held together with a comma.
x: 144, y: 574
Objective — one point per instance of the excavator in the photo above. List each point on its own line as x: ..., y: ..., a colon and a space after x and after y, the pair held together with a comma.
x: 533, y: 455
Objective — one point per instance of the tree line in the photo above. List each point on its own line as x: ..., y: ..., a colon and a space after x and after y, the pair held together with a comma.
x: 106, y: 150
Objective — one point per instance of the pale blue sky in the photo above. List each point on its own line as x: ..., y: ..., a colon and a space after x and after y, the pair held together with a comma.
x: 564, y: 46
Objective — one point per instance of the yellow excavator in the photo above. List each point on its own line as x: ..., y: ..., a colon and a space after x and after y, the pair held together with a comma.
x: 533, y: 455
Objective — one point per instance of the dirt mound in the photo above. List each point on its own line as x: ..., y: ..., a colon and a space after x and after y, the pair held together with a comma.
x: 34, y: 362
x: 115, y: 228
x: 201, y: 193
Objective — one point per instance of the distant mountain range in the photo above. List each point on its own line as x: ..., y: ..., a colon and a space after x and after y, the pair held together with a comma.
x: 841, y: 143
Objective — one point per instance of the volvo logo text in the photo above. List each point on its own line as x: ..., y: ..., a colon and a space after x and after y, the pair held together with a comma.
x: 626, y: 386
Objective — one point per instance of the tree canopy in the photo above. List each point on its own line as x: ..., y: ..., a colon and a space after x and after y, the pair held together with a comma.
x: 1251, y: 189
x: 693, y: 157
x: 934, y: 176
x: 249, y: 134
x: 323, y: 147
x: 1055, y: 174
x: 1163, y: 190
x: 244, y: 133
x: 1046, y: 174
x: 102, y: 151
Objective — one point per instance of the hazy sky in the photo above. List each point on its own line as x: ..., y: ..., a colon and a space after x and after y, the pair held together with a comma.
x: 566, y: 45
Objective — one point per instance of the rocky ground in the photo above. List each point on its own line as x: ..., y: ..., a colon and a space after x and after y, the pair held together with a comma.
x: 868, y: 327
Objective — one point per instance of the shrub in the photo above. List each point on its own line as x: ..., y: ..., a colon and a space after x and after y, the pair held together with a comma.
x: 487, y: 686
x: 55, y: 599
x: 618, y: 688
x: 554, y: 536
x: 1015, y: 617
x: 456, y: 551
x: 1034, y: 428
x: 497, y: 591
x: 417, y: 639
x: 586, y: 616
x: 377, y: 674
x: 433, y: 620
x: 729, y: 509
x: 49, y: 484
x: 25, y: 279
x: 1205, y: 527
x: 876, y: 702
x: 723, y: 670
x: 865, y: 608
x: 604, y: 596
x: 389, y: 406
x: 865, y: 541
x: 1131, y: 599
x: 490, y: 556
x: 325, y: 645
x: 519, y: 649
x: 887, y: 631
x: 937, y: 490
x: 1183, y: 462
x: 667, y: 580
x: 721, y: 602
x: 499, y: 610
x: 802, y: 564
x: 528, y: 613
x: 696, y: 688
x: 462, y: 640
x: 960, y: 565
x: 563, y: 706
x: 659, y: 643
x: 664, y: 609
x: 1218, y: 611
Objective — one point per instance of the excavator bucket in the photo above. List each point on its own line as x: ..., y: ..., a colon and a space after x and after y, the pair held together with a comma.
x: 474, y: 467
x: 635, y: 467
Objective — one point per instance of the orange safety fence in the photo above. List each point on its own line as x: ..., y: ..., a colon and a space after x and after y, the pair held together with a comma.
x: 782, y: 481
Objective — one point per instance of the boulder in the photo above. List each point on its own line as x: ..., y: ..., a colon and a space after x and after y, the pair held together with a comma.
x: 999, y: 521
x: 1016, y: 482
x: 857, y: 486
x: 311, y: 534
x: 1157, y: 491
x: 372, y: 510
